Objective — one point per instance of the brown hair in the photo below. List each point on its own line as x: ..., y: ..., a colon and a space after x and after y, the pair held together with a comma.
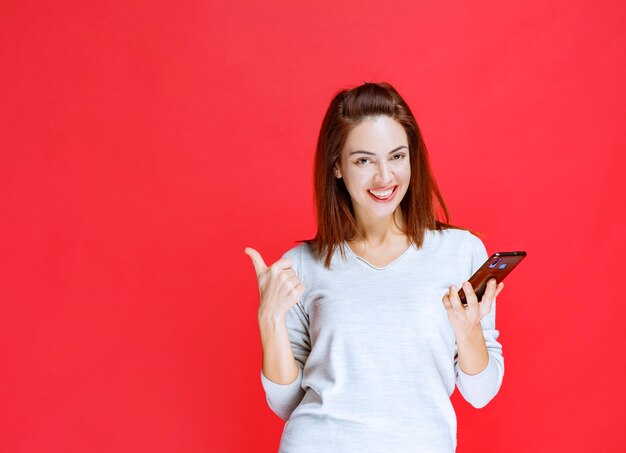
x: 422, y: 206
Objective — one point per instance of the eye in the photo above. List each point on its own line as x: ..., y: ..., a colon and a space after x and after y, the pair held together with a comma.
x: 401, y: 156
x: 360, y: 161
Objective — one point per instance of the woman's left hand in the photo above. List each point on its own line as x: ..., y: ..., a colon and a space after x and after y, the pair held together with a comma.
x: 465, y: 318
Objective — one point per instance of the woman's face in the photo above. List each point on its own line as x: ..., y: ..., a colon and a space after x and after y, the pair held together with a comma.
x: 375, y: 159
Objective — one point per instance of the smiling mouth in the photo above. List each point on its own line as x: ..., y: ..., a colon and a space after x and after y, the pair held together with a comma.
x: 383, y: 195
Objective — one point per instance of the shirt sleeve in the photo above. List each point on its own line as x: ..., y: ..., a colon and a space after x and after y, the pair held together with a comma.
x: 284, y: 398
x: 479, y: 389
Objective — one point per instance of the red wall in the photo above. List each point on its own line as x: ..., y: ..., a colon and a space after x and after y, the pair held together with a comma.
x: 143, y: 147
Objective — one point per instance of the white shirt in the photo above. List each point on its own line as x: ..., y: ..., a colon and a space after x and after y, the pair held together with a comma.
x: 377, y: 354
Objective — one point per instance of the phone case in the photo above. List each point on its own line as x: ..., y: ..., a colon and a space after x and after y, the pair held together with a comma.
x: 497, y: 266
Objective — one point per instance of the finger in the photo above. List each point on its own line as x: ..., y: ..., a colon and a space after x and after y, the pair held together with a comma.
x: 470, y: 296
x: 455, y: 300
x: 490, y: 291
x: 499, y: 289
x: 446, y: 302
x: 257, y: 260
x: 488, y: 297
x: 283, y: 263
x: 299, y: 291
x: 294, y: 280
x: 290, y: 272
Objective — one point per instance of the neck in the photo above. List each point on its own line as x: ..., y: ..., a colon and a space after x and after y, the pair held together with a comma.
x: 379, y: 232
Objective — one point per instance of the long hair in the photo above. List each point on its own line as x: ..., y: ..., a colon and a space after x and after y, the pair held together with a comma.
x: 422, y: 206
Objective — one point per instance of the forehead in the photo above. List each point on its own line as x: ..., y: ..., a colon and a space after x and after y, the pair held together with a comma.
x: 380, y: 134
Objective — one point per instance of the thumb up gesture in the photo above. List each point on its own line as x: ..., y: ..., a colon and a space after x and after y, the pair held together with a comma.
x: 279, y: 286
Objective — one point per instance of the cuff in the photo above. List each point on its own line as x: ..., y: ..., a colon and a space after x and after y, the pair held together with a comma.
x: 485, y: 375
x: 272, y: 387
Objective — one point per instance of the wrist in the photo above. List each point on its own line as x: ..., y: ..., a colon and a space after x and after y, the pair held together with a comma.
x: 474, y: 333
x: 270, y: 318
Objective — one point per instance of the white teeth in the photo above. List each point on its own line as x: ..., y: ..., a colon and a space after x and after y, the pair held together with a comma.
x: 384, y: 194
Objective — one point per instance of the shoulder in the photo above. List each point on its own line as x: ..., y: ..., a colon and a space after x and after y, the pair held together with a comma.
x: 473, y: 242
x: 301, y: 257
x: 455, y: 237
x: 460, y: 241
x: 294, y: 253
x: 474, y: 250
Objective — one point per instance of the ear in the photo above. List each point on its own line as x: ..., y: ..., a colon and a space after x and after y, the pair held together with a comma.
x: 337, y: 170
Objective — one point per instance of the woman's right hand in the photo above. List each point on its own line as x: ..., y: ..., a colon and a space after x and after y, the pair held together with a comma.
x: 279, y: 286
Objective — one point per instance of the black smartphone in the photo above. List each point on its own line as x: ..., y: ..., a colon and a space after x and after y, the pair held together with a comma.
x: 497, y: 266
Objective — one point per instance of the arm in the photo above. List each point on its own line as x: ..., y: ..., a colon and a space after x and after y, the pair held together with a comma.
x: 286, y: 346
x: 480, y: 354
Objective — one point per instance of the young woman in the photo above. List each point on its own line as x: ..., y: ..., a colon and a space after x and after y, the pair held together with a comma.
x: 364, y: 336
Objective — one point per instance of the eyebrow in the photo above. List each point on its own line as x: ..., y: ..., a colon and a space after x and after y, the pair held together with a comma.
x: 373, y: 154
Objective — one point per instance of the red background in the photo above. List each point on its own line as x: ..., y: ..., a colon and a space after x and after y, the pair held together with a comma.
x: 143, y: 146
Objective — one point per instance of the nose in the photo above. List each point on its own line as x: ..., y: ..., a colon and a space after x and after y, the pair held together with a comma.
x: 383, y: 175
